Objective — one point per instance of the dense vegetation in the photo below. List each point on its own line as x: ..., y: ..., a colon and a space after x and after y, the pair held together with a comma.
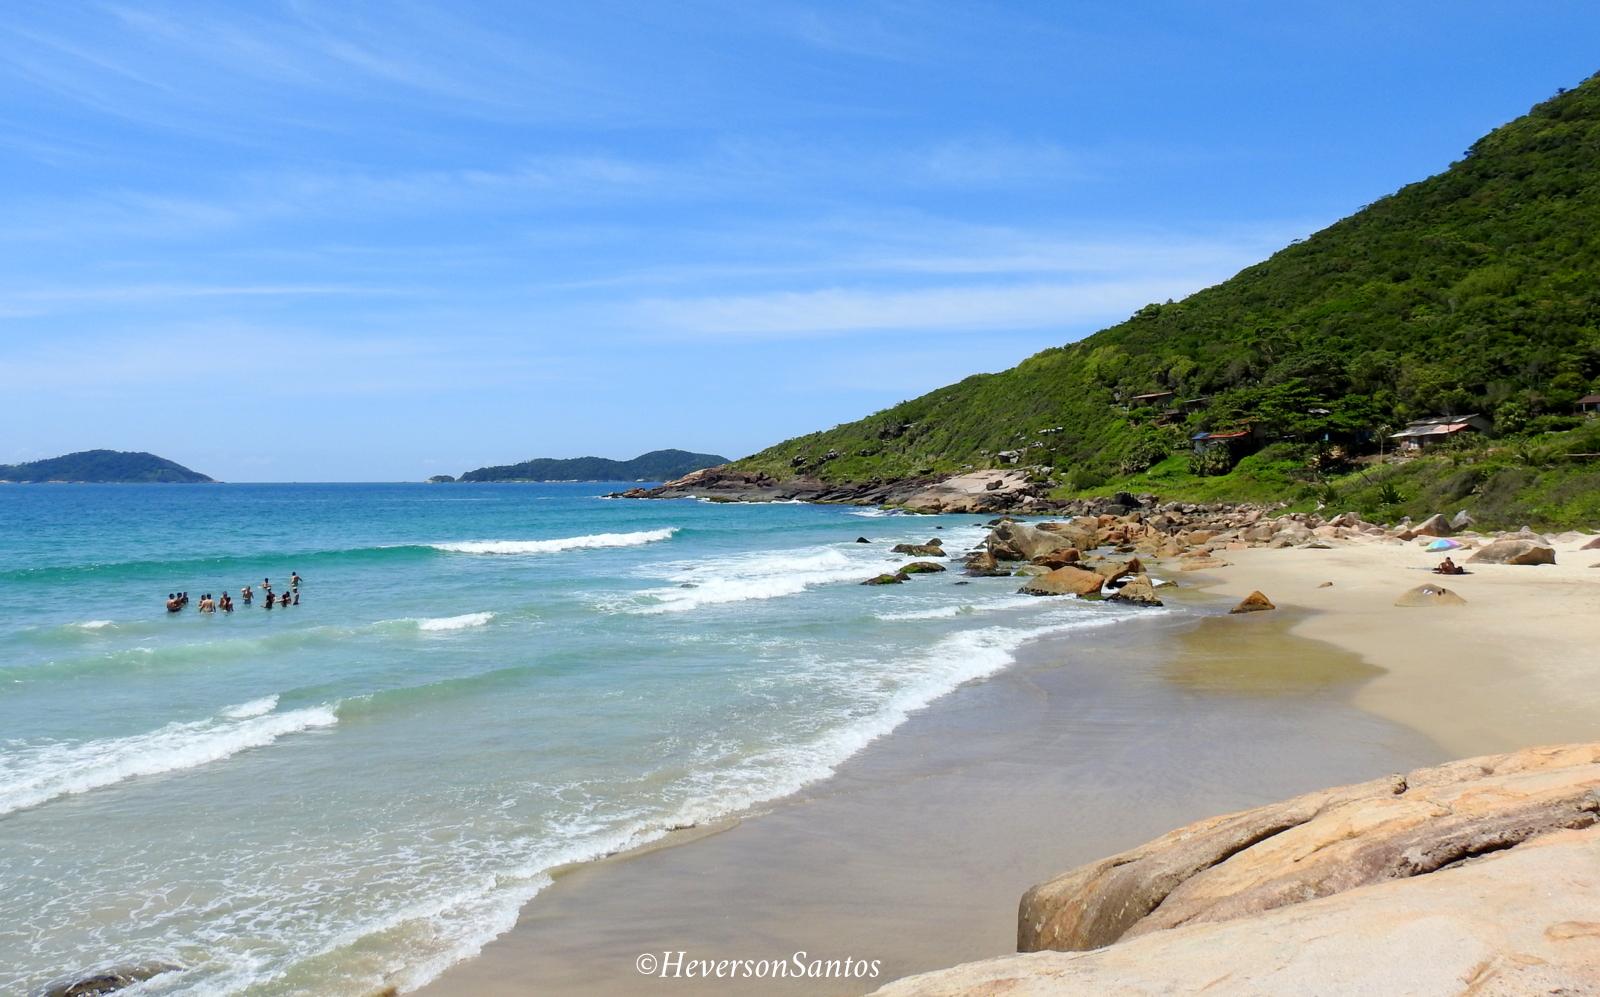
x: 657, y: 465
x: 1476, y: 290
x: 103, y: 466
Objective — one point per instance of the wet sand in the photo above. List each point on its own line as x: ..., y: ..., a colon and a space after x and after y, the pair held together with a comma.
x: 916, y: 852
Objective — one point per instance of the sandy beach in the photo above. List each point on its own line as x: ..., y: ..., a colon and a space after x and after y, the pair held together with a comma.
x: 916, y: 851
x: 1517, y: 665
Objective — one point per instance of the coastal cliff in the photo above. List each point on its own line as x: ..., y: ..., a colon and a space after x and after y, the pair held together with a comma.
x: 1479, y: 876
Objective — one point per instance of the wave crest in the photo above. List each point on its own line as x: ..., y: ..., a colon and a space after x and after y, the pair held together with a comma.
x: 593, y: 540
x: 34, y: 775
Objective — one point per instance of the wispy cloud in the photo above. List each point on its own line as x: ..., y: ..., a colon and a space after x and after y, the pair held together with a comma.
x: 838, y: 311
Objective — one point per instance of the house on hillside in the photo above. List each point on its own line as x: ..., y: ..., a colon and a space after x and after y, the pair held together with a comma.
x: 1238, y: 442
x: 1423, y: 433
x: 1589, y: 405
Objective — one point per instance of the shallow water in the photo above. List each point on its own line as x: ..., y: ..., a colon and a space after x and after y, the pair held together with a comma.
x: 481, y: 683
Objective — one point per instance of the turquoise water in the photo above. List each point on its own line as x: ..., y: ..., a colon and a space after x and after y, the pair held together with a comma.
x: 481, y: 683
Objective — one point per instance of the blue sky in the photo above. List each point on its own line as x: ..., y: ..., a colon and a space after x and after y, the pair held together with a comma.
x: 344, y: 241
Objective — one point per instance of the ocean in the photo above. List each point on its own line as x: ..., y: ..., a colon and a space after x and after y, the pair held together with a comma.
x: 481, y: 684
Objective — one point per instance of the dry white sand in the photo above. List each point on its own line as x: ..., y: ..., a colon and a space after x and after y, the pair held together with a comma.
x: 1518, y: 665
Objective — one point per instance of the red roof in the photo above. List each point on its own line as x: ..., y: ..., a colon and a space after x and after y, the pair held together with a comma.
x: 1589, y: 400
x: 1228, y: 436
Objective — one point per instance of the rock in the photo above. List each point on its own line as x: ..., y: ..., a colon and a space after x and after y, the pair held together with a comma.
x: 1434, y: 526
x: 984, y: 565
x: 1324, y: 585
x: 1511, y: 924
x: 1021, y: 542
x: 1430, y: 595
x: 921, y: 568
x: 862, y: 540
x: 1317, y: 845
x: 1030, y: 571
x: 1591, y: 545
x: 1202, y: 563
x: 1113, y: 570
x: 1065, y: 581
x: 1136, y: 591
x: 110, y: 980
x: 887, y: 579
x: 1255, y: 602
x: 919, y: 550
x: 1460, y: 521
x: 1060, y: 557
x: 1514, y: 551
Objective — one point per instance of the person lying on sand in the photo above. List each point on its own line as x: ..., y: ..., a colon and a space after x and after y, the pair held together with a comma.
x: 1449, y: 567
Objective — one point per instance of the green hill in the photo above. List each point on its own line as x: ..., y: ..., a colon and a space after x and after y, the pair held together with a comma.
x: 1475, y: 290
x: 114, y: 466
x: 657, y: 465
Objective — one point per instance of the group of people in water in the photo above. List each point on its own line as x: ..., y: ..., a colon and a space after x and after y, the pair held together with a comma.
x: 177, y: 601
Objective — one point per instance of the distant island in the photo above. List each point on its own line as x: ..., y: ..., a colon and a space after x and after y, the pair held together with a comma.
x: 657, y: 465
x: 102, y: 467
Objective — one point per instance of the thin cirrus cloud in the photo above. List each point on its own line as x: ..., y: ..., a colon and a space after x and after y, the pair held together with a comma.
x: 839, y: 311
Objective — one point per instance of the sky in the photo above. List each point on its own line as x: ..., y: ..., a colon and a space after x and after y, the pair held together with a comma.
x: 324, y: 241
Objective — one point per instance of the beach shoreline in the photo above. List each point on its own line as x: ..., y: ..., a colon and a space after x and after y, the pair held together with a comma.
x: 915, y: 850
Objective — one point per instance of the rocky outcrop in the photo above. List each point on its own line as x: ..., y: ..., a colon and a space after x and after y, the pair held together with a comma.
x: 1515, y: 550
x: 1479, y: 876
x: 933, y: 548
x: 922, y: 568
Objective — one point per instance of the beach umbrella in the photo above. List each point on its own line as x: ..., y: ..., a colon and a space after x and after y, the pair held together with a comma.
x: 1444, y: 544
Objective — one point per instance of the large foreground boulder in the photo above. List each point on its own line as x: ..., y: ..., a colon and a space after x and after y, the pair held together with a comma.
x: 1475, y: 877
x: 1512, y: 924
x: 1317, y: 845
x: 1514, y: 550
x: 107, y: 981
x: 1255, y: 602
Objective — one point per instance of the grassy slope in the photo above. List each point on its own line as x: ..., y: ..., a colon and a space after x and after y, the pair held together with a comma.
x: 1476, y: 289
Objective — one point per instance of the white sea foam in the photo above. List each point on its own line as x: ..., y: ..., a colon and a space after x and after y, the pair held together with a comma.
x: 33, y: 775
x: 962, y: 609
x: 593, y: 540
x: 461, y: 622
x: 254, y: 708
x: 94, y: 624
x: 954, y: 660
x: 743, y: 577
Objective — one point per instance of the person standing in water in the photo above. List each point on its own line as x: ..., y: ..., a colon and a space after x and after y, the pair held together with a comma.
x: 294, y: 581
x: 271, y: 598
x: 246, y: 595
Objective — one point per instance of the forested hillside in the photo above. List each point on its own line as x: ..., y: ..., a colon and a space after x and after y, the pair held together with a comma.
x: 1475, y: 290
